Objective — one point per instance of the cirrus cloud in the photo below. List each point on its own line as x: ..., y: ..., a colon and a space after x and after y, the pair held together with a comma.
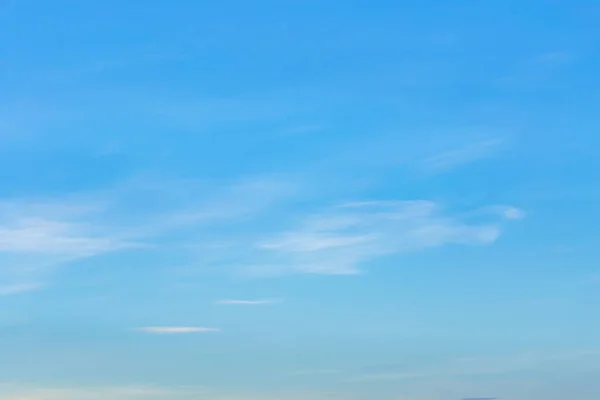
x: 170, y: 330
x: 342, y: 239
x: 234, y: 302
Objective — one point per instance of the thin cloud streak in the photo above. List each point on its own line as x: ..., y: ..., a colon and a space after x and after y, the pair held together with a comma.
x: 173, y: 330
x: 482, y: 366
x: 53, y: 238
x: 31, y: 392
x: 39, y: 235
x: 248, y: 302
x: 311, y: 372
x: 514, y: 213
x: 463, y: 154
x: 7, y: 290
x: 342, y: 239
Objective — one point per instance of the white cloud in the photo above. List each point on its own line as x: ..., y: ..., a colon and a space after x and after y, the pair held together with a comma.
x: 248, y: 302
x: 318, y: 372
x: 504, y: 211
x: 555, y: 58
x: 514, y: 213
x: 34, y: 235
x: 340, y: 240
x: 463, y: 153
x: 304, y: 242
x: 31, y: 392
x: 22, y: 392
x: 487, y: 366
x: 168, y: 330
x: 56, y: 229
x: 594, y: 278
x: 6, y: 290
x: 40, y: 234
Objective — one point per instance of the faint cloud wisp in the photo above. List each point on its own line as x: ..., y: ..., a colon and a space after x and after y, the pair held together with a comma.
x: 170, y: 330
x: 233, y: 302
x: 17, y: 288
x: 341, y: 239
x: 463, y: 154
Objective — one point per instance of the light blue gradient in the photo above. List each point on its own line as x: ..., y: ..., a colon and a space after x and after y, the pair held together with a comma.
x: 284, y: 200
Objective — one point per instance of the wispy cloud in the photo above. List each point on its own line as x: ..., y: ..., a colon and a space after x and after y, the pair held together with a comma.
x: 239, y: 199
x: 33, y: 235
x: 463, y: 153
x: 343, y: 238
x: 514, y: 213
x: 340, y: 239
x: 233, y: 302
x: 555, y: 58
x: 510, y: 213
x: 31, y: 392
x: 6, y: 290
x: 129, y: 392
x: 311, y: 372
x: 594, y: 278
x: 540, y: 68
x: 171, y: 330
x: 484, y: 366
x: 39, y: 234
x: 480, y: 398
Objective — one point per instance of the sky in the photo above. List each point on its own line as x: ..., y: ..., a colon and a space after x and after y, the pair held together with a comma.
x: 285, y: 200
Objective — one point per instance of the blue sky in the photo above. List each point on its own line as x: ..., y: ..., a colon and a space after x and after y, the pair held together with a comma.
x: 284, y: 200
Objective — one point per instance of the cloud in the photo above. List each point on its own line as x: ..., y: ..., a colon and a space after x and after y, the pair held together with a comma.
x: 10, y: 391
x: 130, y: 392
x: 485, y: 366
x: 514, y: 213
x: 38, y: 235
x: 42, y: 236
x: 464, y: 153
x: 62, y: 228
x: 318, y: 372
x: 6, y: 290
x: 594, y: 278
x: 555, y: 58
x: 505, y: 212
x: 480, y: 398
x: 20, y: 392
x: 248, y: 302
x: 343, y: 238
x: 169, y: 330
x: 236, y: 200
